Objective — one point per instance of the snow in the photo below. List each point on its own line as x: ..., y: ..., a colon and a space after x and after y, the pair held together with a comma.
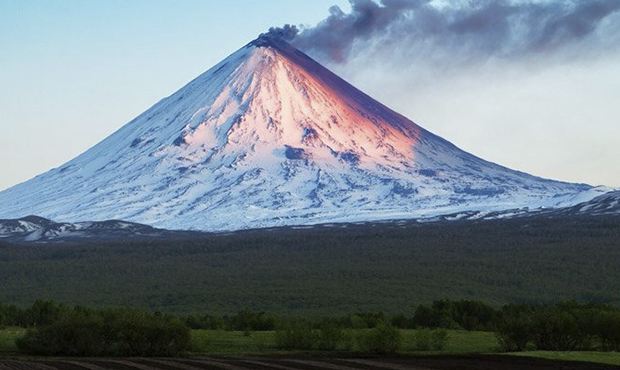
x: 606, y: 204
x: 213, y: 156
x: 36, y: 229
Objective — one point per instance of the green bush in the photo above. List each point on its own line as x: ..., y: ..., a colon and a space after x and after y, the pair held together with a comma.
x: 296, y: 335
x: 473, y: 315
x: 422, y: 340
x: 364, y: 320
x: 555, y: 330
x: 608, y: 329
x: 107, y: 333
x: 330, y: 337
x: 439, y: 339
x: 204, y: 322
x: 424, y: 317
x: 248, y: 320
x: 464, y: 314
x: 514, y: 332
x: 10, y: 315
x: 41, y: 313
x: 563, y: 327
x: 382, y: 339
x: 77, y: 335
x: 402, y: 322
x: 142, y: 334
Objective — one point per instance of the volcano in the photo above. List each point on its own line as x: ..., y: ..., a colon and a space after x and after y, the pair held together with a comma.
x: 270, y: 137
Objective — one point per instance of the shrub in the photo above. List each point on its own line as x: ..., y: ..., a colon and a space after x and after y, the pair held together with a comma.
x: 473, y: 315
x: 555, y: 330
x: 424, y: 317
x: 357, y: 322
x: 142, y: 334
x: 110, y: 333
x: 248, y: 320
x: 422, y: 340
x: 76, y: 335
x: 439, y: 339
x: 587, y: 328
x: 204, y: 322
x: 513, y: 332
x: 402, y: 322
x: 296, y: 335
x: 330, y: 337
x: 566, y: 326
x: 41, y: 313
x: 382, y: 339
x: 365, y: 320
x: 608, y: 329
x: 465, y: 314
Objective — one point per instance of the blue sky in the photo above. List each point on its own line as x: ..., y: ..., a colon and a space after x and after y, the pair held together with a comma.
x: 72, y: 72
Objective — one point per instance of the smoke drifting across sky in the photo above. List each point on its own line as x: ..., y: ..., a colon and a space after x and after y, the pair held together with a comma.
x: 528, y: 84
x: 472, y: 30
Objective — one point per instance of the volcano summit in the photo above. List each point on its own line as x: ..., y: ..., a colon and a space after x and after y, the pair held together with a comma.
x: 270, y: 137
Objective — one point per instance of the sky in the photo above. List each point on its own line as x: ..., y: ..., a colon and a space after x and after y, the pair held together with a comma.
x: 72, y: 72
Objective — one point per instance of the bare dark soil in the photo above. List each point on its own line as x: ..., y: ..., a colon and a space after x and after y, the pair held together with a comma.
x: 477, y: 362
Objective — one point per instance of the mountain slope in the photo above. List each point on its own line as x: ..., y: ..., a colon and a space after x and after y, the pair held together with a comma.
x: 39, y: 229
x: 269, y: 137
x: 604, y: 205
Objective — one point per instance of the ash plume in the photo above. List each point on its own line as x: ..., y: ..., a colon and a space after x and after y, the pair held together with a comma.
x: 466, y: 30
x: 288, y: 32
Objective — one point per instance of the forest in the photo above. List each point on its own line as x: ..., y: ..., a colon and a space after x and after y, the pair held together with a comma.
x: 328, y: 270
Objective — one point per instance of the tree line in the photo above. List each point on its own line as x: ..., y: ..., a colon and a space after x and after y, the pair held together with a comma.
x: 55, y: 329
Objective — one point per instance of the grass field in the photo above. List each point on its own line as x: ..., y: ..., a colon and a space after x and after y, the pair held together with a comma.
x: 232, y: 342
x: 609, y: 358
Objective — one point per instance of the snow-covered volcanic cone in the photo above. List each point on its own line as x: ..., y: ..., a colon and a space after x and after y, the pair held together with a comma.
x: 270, y: 137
